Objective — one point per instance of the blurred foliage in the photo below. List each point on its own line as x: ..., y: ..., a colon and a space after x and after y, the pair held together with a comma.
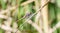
x: 54, y: 14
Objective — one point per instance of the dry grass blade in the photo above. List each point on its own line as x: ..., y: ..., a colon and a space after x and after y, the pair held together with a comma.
x: 35, y: 26
x: 27, y: 2
x: 44, y: 13
x: 4, y: 27
x: 3, y: 16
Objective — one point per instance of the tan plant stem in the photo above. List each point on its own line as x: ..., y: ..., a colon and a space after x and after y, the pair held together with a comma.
x: 35, y: 26
x: 27, y: 2
x: 44, y: 12
x: 38, y: 14
x: 8, y: 23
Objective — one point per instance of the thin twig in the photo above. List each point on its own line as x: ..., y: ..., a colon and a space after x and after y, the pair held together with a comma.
x: 34, y: 13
